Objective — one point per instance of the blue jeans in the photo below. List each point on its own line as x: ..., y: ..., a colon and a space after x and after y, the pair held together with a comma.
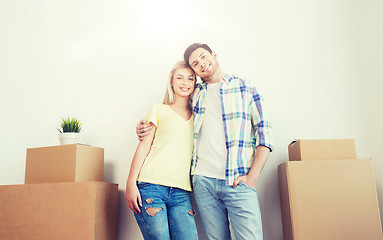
x: 166, y: 213
x: 217, y: 202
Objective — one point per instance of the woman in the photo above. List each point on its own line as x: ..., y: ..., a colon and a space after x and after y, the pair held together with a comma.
x: 158, y: 187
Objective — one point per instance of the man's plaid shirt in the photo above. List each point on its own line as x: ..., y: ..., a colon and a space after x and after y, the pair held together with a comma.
x: 245, y: 121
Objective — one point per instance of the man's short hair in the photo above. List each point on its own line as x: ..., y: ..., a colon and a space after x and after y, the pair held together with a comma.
x: 192, y: 48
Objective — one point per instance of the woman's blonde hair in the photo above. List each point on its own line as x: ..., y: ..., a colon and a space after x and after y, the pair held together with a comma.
x: 169, y: 94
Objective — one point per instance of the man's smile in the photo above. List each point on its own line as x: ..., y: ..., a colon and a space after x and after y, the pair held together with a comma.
x: 206, y: 68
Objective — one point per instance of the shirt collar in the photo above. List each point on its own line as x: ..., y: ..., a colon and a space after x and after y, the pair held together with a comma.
x: 226, y: 79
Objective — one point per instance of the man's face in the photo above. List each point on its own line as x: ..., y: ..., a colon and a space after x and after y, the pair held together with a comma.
x: 203, y: 63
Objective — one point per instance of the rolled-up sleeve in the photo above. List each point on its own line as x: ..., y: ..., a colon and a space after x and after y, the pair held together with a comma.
x: 260, y: 121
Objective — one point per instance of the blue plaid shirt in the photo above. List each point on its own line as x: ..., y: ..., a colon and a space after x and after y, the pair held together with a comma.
x: 245, y: 121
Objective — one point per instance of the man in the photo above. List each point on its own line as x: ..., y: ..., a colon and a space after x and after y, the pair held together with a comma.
x: 232, y: 141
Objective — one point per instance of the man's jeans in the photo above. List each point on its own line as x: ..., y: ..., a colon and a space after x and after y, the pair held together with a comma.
x: 166, y: 213
x: 216, y: 201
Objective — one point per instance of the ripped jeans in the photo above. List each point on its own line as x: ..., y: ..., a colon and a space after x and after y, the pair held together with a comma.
x: 166, y: 213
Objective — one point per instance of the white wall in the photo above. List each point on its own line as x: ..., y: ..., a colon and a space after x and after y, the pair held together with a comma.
x: 319, y: 64
x: 369, y: 35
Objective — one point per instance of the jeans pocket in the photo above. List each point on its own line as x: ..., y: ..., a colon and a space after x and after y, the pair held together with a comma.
x: 142, y: 184
x: 245, y: 186
x: 194, y: 179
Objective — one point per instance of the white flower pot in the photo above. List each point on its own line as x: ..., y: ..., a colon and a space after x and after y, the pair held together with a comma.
x: 69, y: 138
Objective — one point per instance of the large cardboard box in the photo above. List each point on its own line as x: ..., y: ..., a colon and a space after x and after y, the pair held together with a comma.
x: 76, y: 210
x: 332, y: 200
x: 322, y: 149
x: 65, y: 163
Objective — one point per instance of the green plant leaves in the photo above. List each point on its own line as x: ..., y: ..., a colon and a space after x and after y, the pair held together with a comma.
x: 70, y: 125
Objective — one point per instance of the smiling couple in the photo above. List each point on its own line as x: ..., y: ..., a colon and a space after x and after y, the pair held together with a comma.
x: 218, y: 132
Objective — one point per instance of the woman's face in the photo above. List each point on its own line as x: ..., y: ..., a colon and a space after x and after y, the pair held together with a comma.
x: 183, y: 82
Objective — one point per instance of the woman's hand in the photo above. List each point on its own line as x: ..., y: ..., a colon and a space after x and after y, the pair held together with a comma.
x: 133, y: 197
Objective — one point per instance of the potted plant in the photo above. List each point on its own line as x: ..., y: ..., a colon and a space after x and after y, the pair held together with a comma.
x: 69, y: 129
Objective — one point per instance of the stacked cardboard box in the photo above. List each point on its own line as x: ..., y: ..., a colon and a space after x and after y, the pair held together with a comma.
x: 327, y: 193
x: 64, y: 197
x: 65, y: 163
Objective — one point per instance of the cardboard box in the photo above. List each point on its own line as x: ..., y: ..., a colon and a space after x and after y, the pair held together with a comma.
x: 65, y: 163
x: 326, y: 149
x: 332, y: 200
x: 76, y: 210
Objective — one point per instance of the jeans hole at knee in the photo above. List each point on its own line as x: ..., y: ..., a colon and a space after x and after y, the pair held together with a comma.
x: 152, y: 211
x: 191, y: 212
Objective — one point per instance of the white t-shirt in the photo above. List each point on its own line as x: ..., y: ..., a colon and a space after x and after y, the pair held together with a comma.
x: 211, y: 147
